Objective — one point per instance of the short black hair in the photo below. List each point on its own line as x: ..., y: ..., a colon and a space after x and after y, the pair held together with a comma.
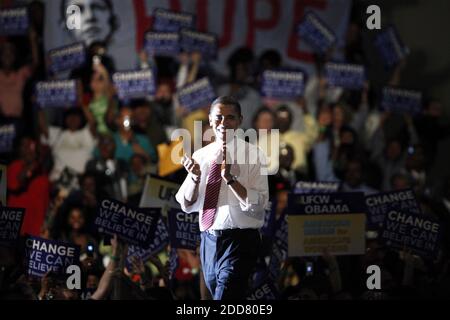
x: 228, y: 101
x: 140, y: 102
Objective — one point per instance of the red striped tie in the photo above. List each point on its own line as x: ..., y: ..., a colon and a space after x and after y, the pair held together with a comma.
x: 212, y: 196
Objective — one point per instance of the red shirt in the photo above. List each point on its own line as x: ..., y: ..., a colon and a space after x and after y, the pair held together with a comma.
x: 35, y: 198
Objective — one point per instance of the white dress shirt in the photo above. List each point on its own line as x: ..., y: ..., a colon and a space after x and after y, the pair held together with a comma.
x: 231, y: 213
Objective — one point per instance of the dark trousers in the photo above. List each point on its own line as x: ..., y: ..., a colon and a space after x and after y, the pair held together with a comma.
x: 228, y: 259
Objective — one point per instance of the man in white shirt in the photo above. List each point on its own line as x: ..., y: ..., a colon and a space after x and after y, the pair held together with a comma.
x: 231, y: 197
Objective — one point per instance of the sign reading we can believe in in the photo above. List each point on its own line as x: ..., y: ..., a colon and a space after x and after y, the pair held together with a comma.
x: 333, y: 221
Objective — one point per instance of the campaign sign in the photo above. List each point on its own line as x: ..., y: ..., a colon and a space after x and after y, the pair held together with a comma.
x: 345, y: 75
x: 159, y: 193
x: 11, y: 220
x: 42, y: 256
x: 333, y: 221
x: 281, y: 233
x: 316, y: 33
x: 390, y: 46
x: 162, y: 43
x: 316, y: 187
x: 194, y: 41
x: 159, y: 242
x: 67, y: 57
x: 3, y: 185
x: 134, y: 225
x: 279, y: 247
x: 379, y: 204
x: 184, y: 229
x: 419, y: 233
x: 134, y: 84
x: 174, y: 262
x: 269, y: 219
x: 401, y: 100
x: 196, y: 95
x: 265, y: 290
x: 56, y: 93
x: 14, y: 22
x: 7, y: 136
x: 170, y: 21
x: 283, y: 84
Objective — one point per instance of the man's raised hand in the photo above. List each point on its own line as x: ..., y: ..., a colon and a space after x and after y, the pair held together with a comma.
x: 192, y: 167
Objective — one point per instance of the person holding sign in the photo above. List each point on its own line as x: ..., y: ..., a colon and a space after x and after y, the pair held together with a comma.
x: 231, y: 197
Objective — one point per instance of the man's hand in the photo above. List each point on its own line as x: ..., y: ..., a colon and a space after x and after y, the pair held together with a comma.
x: 226, y: 167
x: 192, y: 167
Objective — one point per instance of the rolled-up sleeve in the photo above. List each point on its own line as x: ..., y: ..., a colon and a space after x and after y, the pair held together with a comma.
x: 257, y: 188
x: 180, y: 196
x: 195, y: 207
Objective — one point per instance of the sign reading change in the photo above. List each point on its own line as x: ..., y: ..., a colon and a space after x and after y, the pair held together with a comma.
x: 11, y: 220
x: 418, y: 233
x: 134, y: 225
x: 42, y: 256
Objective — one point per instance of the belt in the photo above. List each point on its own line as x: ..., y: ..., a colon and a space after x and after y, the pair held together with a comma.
x: 218, y: 233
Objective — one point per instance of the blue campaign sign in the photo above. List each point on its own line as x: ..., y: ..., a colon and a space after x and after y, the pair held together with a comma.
x: 7, y: 136
x: 316, y: 187
x: 170, y: 21
x: 162, y: 43
x: 14, y: 21
x: 135, y: 84
x: 279, y: 247
x: 184, y: 229
x: 281, y: 233
x: 401, y: 100
x: 42, y: 256
x: 11, y: 220
x: 67, y: 57
x: 316, y: 33
x: 196, y: 95
x: 404, y: 230
x: 390, y: 46
x: 56, y: 93
x: 275, y: 262
x: 332, y: 221
x: 269, y: 217
x: 379, y: 204
x: 174, y: 262
x: 194, y: 41
x: 159, y: 242
x: 265, y: 290
x: 330, y: 203
x: 283, y: 84
x: 133, y: 225
x: 345, y: 75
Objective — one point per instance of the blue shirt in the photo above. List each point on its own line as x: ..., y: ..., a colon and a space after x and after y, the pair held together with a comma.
x: 124, y: 150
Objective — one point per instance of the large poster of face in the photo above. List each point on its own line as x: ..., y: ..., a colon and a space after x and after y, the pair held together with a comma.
x: 109, y: 21
x: 98, y: 20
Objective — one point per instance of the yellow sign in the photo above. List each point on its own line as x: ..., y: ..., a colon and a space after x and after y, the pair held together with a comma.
x: 159, y: 193
x: 340, y: 234
x: 167, y: 165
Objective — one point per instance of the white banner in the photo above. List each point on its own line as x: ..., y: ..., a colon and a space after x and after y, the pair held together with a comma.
x: 258, y: 24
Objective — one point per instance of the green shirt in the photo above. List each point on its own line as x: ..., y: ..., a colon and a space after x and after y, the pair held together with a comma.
x: 98, y: 108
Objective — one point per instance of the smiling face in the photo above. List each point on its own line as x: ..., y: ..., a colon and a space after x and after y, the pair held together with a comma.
x: 224, y: 117
x: 265, y: 121
x: 76, y: 219
x: 95, y: 16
